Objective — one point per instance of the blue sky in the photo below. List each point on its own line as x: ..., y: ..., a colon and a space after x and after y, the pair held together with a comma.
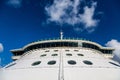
x: 24, y: 21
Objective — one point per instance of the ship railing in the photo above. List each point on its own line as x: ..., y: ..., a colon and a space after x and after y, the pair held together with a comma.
x: 65, y: 38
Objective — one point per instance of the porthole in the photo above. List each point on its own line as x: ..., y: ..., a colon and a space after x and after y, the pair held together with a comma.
x: 80, y: 54
x: 43, y: 55
x: 71, y: 62
x: 87, y: 62
x: 68, y: 54
x: 10, y: 65
x: 114, y: 64
x: 36, y: 63
x: 54, y: 54
x: 51, y: 62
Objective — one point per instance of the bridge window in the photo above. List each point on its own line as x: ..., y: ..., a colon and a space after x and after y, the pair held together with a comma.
x: 80, y: 54
x: 47, y: 51
x: 54, y: 54
x: 67, y: 50
x: 76, y: 50
x: 87, y: 45
x: 68, y: 54
x: 56, y: 50
x: 52, y: 44
x: 43, y: 55
x: 106, y: 51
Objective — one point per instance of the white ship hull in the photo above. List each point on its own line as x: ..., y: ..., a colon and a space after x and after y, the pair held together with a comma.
x: 70, y: 63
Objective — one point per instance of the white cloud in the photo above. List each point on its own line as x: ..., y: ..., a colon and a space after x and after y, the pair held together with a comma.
x: 87, y: 16
x: 67, y: 12
x: 77, y: 29
x: 1, y: 47
x: 115, y: 44
x: 15, y: 3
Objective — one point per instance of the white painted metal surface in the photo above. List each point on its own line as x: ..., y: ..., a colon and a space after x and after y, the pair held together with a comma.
x: 100, y: 67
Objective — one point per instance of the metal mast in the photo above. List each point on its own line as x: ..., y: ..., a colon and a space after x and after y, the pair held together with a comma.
x: 61, y: 34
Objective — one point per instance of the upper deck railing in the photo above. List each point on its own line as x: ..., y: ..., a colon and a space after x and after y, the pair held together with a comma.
x: 65, y: 38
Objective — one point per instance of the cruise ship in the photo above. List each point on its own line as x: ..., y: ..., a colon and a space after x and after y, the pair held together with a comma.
x: 62, y: 59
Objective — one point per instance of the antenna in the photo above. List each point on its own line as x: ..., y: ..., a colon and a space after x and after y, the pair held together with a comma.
x: 61, y: 34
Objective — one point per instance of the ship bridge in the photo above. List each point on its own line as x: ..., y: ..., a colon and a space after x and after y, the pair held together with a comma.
x: 51, y: 43
x: 62, y: 59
